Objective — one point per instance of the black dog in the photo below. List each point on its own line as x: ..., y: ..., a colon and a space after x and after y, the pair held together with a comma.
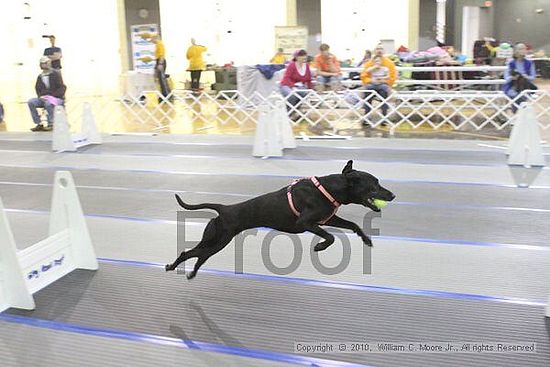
x: 301, y: 207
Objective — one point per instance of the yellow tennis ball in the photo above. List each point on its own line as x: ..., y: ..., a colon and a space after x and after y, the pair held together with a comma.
x: 380, y: 204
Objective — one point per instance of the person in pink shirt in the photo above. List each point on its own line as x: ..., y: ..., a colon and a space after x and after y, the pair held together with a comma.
x: 297, y: 78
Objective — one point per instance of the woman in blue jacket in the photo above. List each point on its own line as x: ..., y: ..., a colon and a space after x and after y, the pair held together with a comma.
x: 519, y: 75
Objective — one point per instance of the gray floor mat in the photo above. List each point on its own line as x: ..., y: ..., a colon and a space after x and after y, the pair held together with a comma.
x: 23, y: 345
x: 272, y: 316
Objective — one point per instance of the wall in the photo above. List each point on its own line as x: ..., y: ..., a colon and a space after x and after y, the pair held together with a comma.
x: 242, y: 31
x: 87, y: 32
x: 428, y: 14
x: 450, y: 38
x: 487, y: 16
x: 413, y: 28
x: 532, y: 28
x: 360, y: 25
x: 309, y: 14
x: 132, y: 17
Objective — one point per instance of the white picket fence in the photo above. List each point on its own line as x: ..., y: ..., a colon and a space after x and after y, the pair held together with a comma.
x: 456, y: 110
x: 442, y: 109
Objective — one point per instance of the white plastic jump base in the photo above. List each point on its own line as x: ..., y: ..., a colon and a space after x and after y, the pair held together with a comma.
x: 303, y: 136
x: 273, y: 131
x: 524, y: 146
x: 132, y: 134
x: 67, y: 247
x: 64, y: 141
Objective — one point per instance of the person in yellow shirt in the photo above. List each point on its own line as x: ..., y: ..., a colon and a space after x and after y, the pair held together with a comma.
x: 160, y: 65
x: 379, y: 74
x: 196, y: 63
x: 279, y: 57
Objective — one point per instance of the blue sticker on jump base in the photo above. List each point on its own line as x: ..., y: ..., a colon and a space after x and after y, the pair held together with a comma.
x: 35, y: 273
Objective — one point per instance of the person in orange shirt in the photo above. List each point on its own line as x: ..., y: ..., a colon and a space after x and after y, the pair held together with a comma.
x: 196, y: 63
x: 160, y: 65
x: 328, y: 69
x: 279, y: 57
x: 379, y: 74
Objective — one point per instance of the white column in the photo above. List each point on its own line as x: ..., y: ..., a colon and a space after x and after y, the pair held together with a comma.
x: 440, y: 21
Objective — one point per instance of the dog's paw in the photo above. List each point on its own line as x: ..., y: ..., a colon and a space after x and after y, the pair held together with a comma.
x: 190, y: 275
x: 168, y: 267
x: 321, y: 246
x: 367, y: 241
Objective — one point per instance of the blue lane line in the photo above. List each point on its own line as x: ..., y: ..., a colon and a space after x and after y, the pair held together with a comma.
x: 175, y: 342
x: 130, y: 189
x: 343, y: 285
x: 465, y: 206
x: 394, y: 203
x: 515, y: 246
x: 254, y: 175
x: 104, y: 216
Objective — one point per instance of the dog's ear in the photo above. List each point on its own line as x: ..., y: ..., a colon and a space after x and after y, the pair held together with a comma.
x: 352, y: 177
x: 348, y: 168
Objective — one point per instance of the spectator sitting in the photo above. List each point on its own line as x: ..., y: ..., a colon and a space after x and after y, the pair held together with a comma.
x: 328, y: 69
x: 354, y: 75
x: 297, y: 76
x: 519, y: 76
x: 50, y: 91
x: 366, y: 57
x: 279, y: 57
x: 379, y: 74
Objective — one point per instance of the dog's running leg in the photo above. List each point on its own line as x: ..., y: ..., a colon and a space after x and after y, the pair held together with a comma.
x: 312, y: 227
x: 206, y: 252
x: 209, y: 237
x: 183, y: 256
x: 338, y: 222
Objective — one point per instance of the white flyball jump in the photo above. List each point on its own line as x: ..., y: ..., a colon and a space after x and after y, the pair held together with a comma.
x: 67, y: 247
x: 524, y: 146
x: 273, y: 131
x: 64, y: 141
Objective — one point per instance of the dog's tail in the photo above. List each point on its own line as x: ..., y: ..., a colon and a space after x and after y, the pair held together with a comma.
x: 215, y: 207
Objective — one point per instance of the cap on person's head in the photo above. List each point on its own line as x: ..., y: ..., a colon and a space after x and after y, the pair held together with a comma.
x: 45, y: 60
x: 280, y: 49
x: 297, y: 53
x: 379, y: 47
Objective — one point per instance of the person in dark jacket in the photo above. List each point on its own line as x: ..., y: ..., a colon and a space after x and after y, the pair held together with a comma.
x: 519, y: 75
x: 50, y: 91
